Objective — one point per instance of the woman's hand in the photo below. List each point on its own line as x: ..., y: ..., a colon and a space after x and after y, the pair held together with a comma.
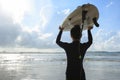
x: 61, y: 28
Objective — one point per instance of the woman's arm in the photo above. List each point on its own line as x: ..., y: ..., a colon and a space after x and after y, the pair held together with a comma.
x: 59, y: 37
x: 90, y: 39
x: 60, y: 43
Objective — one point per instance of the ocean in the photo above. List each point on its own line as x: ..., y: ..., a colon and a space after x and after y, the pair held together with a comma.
x: 52, y: 66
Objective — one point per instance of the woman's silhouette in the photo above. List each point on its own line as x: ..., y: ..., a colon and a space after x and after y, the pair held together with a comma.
x: 75, y: 52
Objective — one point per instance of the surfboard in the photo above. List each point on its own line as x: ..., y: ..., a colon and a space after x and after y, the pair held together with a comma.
x: 85, y: 16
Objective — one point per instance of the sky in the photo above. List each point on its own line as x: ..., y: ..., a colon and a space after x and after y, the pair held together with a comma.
x: 32, y: 25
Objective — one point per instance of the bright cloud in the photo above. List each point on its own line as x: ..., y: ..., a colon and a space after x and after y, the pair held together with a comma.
x: 16, y: 33
x: 42, y: 15
x: 16, y: 8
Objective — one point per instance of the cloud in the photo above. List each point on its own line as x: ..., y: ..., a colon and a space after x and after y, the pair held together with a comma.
x: 109, y: 4
x: 34, y: 40
x: 106, y: 41
x: 44, y: 17
x: 8, y: 31
x: 113, y: 42
x: 45, y: 36
x: 34, y: 36
x: 65, y: 11
x: 16, y: 9
x: 43, y: 11
x: 15, y: 33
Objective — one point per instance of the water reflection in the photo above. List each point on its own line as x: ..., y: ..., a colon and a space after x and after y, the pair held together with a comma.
x: 30, y: 67
x: 11, y: 67
x: 11, y: 61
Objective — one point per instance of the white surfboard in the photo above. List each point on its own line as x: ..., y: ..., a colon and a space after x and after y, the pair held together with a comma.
x: 87, y: 13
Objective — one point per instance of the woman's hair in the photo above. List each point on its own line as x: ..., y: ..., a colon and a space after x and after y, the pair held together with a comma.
x: 76, y: 32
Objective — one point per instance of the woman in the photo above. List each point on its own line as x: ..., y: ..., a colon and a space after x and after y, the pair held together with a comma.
x: 75, y: 52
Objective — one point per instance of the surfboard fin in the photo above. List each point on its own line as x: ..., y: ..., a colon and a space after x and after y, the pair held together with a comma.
x: 95, y: 22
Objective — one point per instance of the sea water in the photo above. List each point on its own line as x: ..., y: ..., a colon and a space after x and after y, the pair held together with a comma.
x: 52, y: 66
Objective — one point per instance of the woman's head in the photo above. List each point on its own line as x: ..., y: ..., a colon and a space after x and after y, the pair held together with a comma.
x: 76, y: 32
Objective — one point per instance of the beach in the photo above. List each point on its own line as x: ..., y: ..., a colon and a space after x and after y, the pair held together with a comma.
x: 52, y: 66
